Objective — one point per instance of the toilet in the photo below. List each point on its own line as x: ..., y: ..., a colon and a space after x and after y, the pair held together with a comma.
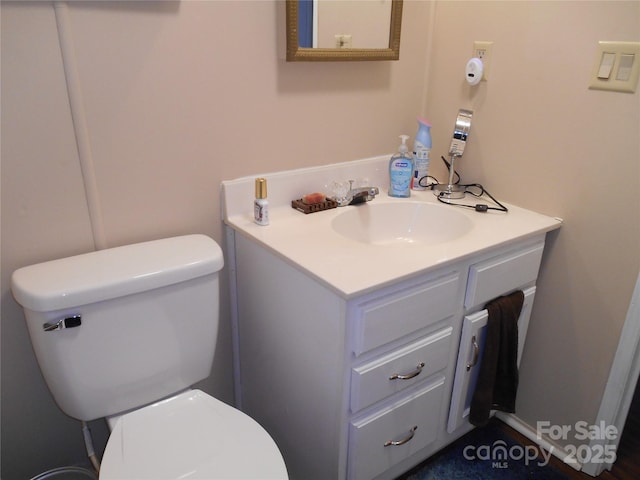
x: 124, y: 334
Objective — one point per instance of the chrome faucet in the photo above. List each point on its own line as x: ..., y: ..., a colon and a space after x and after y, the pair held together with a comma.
x: 361, y: 194
x: 344, y: 194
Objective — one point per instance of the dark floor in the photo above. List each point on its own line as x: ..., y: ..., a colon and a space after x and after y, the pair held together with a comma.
x: 626, y: 466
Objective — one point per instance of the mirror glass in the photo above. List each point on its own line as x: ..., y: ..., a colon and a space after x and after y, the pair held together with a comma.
x: 329, y: 30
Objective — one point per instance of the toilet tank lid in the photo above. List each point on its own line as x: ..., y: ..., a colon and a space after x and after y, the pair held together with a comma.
x: 115, y: 272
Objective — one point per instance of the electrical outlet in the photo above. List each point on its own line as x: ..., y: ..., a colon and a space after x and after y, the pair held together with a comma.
x: 343, y: 41
x: 482, y: 50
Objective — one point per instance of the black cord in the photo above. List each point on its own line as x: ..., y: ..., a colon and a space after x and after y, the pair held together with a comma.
x: 435, y: 180
x: 428, y: 185
x: 479, y: 207
x: 454, y: 170
x: 469, y: 188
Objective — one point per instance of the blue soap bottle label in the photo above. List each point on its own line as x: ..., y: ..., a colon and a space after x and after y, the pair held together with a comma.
x: 401, y: 171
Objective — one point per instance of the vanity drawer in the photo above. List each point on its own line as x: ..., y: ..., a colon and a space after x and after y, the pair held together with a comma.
x: 399, y: 369
x: 393, y: 316
x: 412, y: 423
x: 502, y: 274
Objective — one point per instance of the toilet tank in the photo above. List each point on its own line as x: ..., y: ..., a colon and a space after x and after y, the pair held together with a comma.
x: 117, y: 329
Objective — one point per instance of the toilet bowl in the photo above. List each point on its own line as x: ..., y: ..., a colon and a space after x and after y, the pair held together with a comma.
x: 190, y: 435
x: 124, y: 334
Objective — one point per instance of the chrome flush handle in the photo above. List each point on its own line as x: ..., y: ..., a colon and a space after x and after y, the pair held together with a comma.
x: 67, y: 322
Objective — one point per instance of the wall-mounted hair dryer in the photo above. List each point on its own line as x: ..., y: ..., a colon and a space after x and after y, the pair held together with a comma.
x: 456, y: 149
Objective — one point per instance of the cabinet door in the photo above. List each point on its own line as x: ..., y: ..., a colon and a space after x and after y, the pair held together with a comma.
x: 474, y: 329
x: 472, y: 340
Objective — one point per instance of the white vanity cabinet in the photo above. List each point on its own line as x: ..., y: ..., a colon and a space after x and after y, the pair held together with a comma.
x: 363, y: 387
x: 345, y: 348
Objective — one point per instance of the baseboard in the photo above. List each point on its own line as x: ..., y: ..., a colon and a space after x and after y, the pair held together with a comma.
x: 549, y: 445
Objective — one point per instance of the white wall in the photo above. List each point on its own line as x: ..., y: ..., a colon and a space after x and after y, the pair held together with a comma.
x: 181, y: 95
x: 178, y: 96
x: 367, y: 21
x: 542, y: 140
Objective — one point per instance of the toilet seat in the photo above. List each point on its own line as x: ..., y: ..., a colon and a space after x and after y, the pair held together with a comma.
x: 193, y: 436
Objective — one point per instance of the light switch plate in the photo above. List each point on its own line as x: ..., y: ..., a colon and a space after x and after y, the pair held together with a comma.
x: 626, y: 57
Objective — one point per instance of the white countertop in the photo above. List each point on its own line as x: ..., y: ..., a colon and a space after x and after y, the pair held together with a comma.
x: 350, y: 267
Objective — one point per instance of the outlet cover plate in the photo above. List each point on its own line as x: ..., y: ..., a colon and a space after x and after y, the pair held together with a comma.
x: 482, y: 50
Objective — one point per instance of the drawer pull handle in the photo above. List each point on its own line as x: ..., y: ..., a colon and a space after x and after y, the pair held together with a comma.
x: 476, y: 353
x: 418, y: 371
x: 395, y: 443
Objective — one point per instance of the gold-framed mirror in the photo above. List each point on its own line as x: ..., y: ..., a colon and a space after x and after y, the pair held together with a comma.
x: 297, y: 53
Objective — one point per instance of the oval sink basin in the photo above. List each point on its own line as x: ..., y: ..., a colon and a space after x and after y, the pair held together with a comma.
x: 401, y: 223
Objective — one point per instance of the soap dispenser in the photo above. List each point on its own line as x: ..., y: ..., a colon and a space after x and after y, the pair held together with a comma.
x: 401, y: 171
